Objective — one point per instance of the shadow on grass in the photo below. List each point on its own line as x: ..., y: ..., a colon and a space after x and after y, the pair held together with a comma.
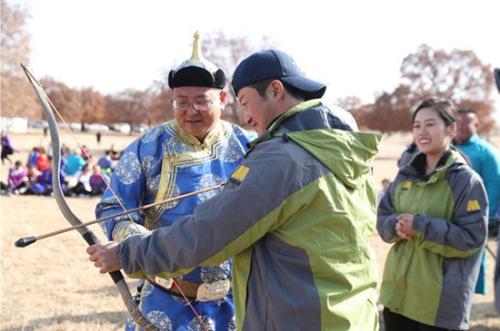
x: 117, y: 318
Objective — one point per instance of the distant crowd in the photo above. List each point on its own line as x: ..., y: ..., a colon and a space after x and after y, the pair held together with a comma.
x: 80, y: 175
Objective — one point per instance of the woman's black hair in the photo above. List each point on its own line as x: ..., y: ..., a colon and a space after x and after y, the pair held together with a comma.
x: 444, y: 108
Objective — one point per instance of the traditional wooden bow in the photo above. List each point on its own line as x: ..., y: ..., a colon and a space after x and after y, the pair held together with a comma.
x: 85, y: 232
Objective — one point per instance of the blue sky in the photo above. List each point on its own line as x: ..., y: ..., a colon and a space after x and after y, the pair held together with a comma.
x: 356, y: 47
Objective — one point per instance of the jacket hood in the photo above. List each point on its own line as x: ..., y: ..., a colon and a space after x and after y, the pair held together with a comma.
x: 349, y: 155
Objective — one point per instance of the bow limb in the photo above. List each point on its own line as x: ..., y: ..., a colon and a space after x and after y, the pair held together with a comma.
x: 87, y: 234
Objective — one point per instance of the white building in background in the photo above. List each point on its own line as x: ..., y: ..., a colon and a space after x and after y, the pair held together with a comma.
x: 14, y: 124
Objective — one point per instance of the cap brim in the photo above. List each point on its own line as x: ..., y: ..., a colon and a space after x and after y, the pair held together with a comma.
x: 313, y: 89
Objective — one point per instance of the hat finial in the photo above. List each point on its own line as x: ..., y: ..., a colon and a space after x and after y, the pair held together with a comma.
x: 195, y: 56
x: 197, y: 71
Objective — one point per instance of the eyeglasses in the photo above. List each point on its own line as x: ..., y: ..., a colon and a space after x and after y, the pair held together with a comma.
x: 200, y: 105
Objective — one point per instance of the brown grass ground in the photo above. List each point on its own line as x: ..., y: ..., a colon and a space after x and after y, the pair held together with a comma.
x: 52, y: 286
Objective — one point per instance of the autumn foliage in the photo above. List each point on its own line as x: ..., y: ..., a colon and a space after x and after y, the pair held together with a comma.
x: 458, y: 75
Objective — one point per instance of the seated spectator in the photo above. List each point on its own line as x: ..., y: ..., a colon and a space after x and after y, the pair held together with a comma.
x: 97, y: 182
x: 37, y: 187
x: 74, y: 163
x: 33, y: 174
x: 106, y: 163
x: 18, y: 178
x: 33, y: 156
x: 42, y: 161
x: 44, y: 185
x: 83, y: 185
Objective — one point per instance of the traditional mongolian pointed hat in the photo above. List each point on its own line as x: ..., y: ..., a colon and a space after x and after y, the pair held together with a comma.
x: 197, y: 71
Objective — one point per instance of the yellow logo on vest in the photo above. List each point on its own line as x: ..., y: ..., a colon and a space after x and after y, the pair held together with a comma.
x: 240, y: 173
x: 473, y: 206
x: 406, y: 185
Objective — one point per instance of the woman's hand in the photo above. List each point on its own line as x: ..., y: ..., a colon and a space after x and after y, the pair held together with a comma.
x: 404, y: 226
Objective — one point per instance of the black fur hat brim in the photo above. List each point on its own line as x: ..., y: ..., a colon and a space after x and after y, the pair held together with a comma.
x: 196, y: 76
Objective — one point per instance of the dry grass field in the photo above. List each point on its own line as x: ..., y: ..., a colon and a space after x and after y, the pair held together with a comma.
x: 52, y: 286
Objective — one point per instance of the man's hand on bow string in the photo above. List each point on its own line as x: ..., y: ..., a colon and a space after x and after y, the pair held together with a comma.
x: 105, y: 256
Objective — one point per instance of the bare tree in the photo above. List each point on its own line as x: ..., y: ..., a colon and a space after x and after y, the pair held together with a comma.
x: 17, y: 97
x: 15, y: 40
x: 458, y: 75
x: 66, y: 100
x: 359, y: 111
x: 93, y: 106
x: 350, y: 103
x: 160, y: 106
x: 391, y: 111
x: 136, y: 107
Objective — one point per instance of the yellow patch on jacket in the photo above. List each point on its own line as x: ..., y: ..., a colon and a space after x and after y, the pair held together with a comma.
x: 406, y: 185
x: 240, y: 173
x: 473, y: 206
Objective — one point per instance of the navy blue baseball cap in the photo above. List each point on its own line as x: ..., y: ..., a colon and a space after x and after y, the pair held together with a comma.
x: 272, y: 63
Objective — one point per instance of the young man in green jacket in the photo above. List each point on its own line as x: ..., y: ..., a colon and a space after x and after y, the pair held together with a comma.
x: 296, y: 215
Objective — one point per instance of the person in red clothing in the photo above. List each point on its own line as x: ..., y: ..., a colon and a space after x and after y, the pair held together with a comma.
x: 42, y: 162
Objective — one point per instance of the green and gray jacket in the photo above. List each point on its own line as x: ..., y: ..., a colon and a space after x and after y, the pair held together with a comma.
x: 431, y: 277
x: 296, y: 216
